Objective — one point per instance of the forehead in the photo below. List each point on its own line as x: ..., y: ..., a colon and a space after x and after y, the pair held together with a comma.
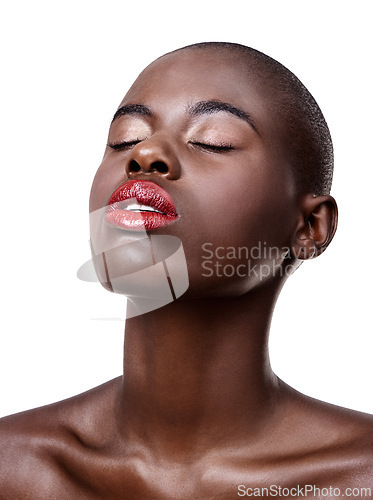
x: 189, y: 76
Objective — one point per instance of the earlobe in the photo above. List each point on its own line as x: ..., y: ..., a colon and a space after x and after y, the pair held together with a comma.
x: 316, y: 226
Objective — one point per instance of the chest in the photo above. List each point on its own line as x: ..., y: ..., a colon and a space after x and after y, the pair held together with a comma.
x: 135, y: 478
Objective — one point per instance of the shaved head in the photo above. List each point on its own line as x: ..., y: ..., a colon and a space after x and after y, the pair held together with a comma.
x: 308, y: 140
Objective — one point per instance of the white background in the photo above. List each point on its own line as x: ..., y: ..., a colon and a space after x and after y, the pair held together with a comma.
x: 65, y: 68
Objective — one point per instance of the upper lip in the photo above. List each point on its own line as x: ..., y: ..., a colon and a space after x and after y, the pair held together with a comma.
x: 146, y: 193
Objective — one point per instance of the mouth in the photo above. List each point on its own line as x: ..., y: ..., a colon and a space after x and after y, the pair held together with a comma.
x: 140, y: 205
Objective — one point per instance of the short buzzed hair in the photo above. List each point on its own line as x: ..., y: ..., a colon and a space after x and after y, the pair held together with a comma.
x: 310, y: 144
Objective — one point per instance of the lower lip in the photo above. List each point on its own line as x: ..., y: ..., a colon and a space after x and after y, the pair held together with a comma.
x: 137, y: 221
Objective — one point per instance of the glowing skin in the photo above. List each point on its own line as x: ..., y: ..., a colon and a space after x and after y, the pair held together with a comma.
x: 198, y: 410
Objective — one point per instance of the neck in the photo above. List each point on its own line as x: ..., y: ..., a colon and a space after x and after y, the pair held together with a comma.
x: 199, y: 371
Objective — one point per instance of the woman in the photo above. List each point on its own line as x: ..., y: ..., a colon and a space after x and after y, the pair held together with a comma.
x: 218, y: 155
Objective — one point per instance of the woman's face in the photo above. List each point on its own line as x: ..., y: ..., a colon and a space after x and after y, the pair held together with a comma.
x: 200, y: 126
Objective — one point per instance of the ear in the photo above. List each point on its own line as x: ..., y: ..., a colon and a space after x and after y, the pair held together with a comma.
x: 316, y: 226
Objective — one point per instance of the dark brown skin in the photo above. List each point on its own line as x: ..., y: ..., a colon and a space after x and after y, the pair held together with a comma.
x: 198, y: 411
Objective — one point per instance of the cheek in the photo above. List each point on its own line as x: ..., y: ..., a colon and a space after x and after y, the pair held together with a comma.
x: 255, y: 205
x: 239, y: 223
x: 110, y: 174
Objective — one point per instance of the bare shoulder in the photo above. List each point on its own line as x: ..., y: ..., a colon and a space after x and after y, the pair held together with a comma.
x: 33, y: 443
x: 336, y: 442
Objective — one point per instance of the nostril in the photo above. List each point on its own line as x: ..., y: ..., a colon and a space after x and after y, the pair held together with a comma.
x: 160, y: 166
x: 134, y: 166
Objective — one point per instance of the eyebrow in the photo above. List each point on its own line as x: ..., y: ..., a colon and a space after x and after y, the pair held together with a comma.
x: 200, y: 108
x: 133, y: 109
x: 209, y: 107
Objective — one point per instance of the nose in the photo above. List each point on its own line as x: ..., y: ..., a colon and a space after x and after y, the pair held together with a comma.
x: 153, y: 156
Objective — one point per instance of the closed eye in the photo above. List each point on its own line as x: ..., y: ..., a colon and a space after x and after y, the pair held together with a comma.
x: 216, y: 148
x: 122, y: 146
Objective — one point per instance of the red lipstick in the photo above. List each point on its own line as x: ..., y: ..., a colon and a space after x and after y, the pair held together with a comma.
x: 137, y: 205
